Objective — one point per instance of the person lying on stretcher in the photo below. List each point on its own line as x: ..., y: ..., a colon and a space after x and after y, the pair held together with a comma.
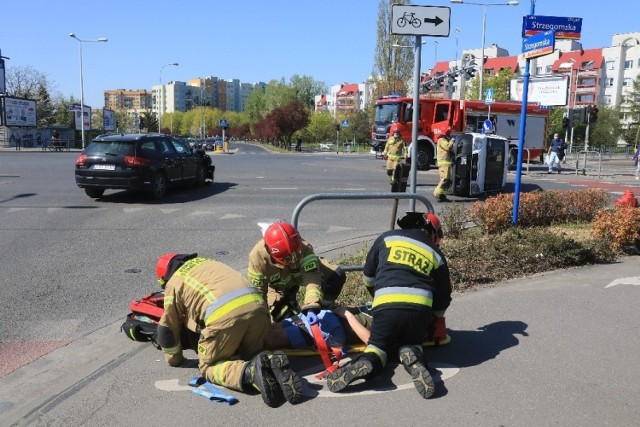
x: 339, y: 327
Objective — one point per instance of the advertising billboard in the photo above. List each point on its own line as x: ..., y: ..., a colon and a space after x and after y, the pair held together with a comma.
x: 18, y: 112
x: 109, y: 119
x: 547, y: 91
x: 86, y: 114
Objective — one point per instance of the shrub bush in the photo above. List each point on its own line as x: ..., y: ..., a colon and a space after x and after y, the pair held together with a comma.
x: 538, y: 209
x: 620, y: 226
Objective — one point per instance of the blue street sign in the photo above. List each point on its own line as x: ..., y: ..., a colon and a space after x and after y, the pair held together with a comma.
x: 223, y: 123
x: 345, y: 123
x: 538, y: 45
x: 565, y: 28
x: 487, y: 126
x: 488, y: 96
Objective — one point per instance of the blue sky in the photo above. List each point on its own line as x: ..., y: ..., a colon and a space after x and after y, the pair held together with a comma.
x: 253, y: 40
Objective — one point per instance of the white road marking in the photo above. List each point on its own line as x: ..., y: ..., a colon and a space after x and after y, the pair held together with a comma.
x: 171, y: 385
x: 231, y: 216
x: 16, y: 209
x: 635, y: 281
x: 336, y: 228
x: 279, y: 188
x: 196, y: 213
x: 317, y: 388
x: 169, y: 210
x: 131, y: 210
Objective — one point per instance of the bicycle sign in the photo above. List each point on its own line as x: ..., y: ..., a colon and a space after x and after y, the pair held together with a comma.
x: 420, y: 20
x: 410, y: 18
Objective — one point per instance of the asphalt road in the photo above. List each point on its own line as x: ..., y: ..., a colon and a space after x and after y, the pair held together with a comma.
x: 560, y: 348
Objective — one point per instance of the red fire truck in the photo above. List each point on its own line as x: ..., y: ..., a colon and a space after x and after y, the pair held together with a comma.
x: 436, y: 115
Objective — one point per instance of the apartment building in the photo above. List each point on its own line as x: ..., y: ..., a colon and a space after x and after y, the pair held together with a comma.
x: 227, y: 95
x: 600, y: 76
x: 134, y: 102
x: 344, y: 98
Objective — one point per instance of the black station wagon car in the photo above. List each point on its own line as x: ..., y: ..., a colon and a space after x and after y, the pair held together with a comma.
x: 150, y: 162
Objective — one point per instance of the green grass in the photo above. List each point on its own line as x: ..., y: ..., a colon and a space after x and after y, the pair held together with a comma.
x: 476, y: 260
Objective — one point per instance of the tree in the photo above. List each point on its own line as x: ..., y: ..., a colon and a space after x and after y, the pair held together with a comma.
x: 360, y: 126
x: 500, y: 82
x: 255, y: 107
x: 321, y: 127
x: 26, y: 82
x: 284, y: 121
x: 149, y: 122
x: 307, y: 88
x: 633, y: 99
x: 393, y: 64
x: 277, y: 94
x: 63, y: 116
x: 607, y: 130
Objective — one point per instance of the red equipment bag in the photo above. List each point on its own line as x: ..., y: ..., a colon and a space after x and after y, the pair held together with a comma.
x: 141, y: 323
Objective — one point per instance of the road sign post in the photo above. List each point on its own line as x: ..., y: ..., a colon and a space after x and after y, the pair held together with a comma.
x: 418, y: 21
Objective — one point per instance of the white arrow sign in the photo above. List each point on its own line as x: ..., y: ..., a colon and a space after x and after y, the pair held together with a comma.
x: 420, y: 20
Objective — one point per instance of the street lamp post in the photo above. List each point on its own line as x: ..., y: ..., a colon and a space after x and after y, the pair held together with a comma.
x: 435, y: 52
x: 101, y: 39
x: 457, y: 37
x: 160, y: 95
x: 484, y: 28
x: 566, y: 133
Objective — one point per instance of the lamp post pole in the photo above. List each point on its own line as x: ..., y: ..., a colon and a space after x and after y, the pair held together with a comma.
x: 160, y: 95
x: 566, y: 133
x: 484, y: 28
x: 457, y: 37
x: 101, y: 39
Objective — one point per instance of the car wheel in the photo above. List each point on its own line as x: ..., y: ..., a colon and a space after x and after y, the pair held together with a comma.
x: 201, y: 176
x: 424, y: 159
x: 94, y: 193
x: 158, y: 186
x: 513, y: 159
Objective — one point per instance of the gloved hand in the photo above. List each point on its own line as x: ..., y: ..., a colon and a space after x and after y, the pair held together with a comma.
x: 312, y: 317
x: 385, y: 157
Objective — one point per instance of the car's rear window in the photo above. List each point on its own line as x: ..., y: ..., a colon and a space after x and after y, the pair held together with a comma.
x: 118, y: 148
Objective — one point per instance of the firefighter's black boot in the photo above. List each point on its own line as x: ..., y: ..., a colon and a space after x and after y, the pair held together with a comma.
x: 289, y: 382
x: 360, y: 368
x: 412, y: 359
x: 258, y: 375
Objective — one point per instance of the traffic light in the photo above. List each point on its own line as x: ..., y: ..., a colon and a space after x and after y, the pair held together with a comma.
x: 338, y: 128
x: 593, y: 116
x: 469, y: 73
x: 451, y: 79
x: 565, y: 122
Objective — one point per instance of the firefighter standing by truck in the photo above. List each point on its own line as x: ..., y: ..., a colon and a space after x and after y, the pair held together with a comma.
x: 395, y: 151
x: 408, y: 277
x: 282, y: 262
x: 212, y: 299
x: 445, y: 164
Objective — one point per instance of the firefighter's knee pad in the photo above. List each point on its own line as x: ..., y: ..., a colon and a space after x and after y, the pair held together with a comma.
x: 166, y: 338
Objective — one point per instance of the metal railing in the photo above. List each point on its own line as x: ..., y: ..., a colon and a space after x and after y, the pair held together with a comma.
x: 516, y: 153
x: 584, y: 153
x: 56, y: 145
x: 355, y: 196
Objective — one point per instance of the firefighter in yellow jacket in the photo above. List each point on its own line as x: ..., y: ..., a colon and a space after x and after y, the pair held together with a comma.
x: 282, y: 262
x: 395, y: 151
x: 212, y: 299
x: 445, y: 164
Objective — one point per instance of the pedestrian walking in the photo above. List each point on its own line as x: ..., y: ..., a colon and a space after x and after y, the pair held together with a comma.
x: 556, y: 153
